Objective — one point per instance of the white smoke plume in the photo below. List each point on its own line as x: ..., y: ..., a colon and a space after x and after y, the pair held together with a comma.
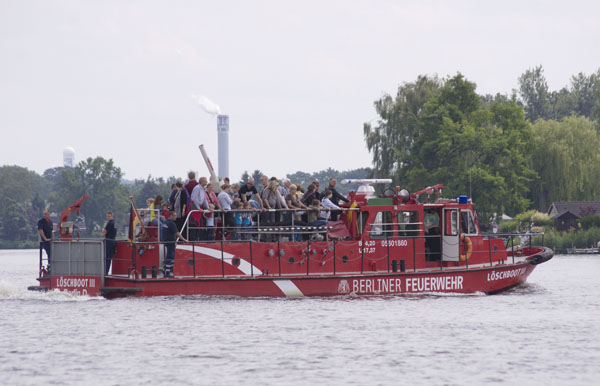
x: 207, y: 105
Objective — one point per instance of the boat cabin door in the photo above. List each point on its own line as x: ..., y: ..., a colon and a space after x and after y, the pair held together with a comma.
x: 450, y: 236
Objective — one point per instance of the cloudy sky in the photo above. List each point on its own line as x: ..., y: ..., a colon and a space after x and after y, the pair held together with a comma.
x: 298, y: 79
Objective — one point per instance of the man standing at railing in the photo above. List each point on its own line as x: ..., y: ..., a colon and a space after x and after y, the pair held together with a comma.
x: 44, y: 227
x: 335, y: 198
x: 199, y: 201
x: 110, y: 233
x: 171, y: 235
x: 180, y: 201
x: 248, y: 193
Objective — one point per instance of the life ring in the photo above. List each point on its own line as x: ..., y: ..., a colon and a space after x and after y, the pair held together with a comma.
x: 467, y: 240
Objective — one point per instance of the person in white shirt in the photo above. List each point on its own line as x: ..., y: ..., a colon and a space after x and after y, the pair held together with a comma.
x: 224, y: 198
x: 200, y: 201
x: 225, y: 202
x: 326, y: 202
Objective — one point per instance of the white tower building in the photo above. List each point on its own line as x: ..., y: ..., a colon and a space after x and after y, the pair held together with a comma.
x: 223, y: 130
x: 68, y: 157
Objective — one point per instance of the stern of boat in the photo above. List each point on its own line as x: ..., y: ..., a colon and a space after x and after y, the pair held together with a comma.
x: 77, y: 267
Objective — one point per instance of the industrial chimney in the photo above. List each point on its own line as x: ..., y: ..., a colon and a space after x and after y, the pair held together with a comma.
x: 223, y: 130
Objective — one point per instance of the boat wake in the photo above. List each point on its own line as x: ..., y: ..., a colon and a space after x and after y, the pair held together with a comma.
x: 9, y: 291
x: 525, y: 289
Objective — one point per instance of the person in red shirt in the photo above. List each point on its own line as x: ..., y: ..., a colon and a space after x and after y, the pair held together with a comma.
x: 191, y: 183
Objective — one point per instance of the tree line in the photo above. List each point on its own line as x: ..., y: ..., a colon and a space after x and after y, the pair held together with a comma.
x: 26, y: 194
x: 509, y: 153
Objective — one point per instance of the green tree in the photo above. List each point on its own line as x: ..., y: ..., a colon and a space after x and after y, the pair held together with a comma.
x: 595, y: 113
x: 99, y: 178
x: 37, y: 204
x: 245, y: 177
x: 590, y: 221
x: 15, y: 222
x: 256, y: 174
x: 399, y: 127
x: 324, y: 176
x: 52, y: 176
x: 474, y: 150
x: 566, y: 160
x: 474, y: 145
x: 563, y: 103
x: 582, y: 97
x: 301, y: 178
x: 151, y: 188
x: 20, y: 183
x: 533, y: 90
x: 18, y: 189
x: 583, y: 89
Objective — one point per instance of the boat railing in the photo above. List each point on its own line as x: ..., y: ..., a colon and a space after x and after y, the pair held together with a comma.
x: 137, y: 271
x: 516, y: 242
x: 43, y: 267
x: 378, y: 228
x: 396, y: 262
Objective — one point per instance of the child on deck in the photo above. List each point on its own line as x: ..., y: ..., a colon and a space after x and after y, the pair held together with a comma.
x: 145, y: 212
x: 247, y: 221
x: 326, y: 203
x: 209, y: 221
x: 238, y: 219
x: 314, y: 213
x: 314, y: 220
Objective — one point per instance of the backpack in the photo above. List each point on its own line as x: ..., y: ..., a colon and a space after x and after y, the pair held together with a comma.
x: 177, y: 205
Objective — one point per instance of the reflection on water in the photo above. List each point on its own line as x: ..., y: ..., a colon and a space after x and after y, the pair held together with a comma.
x: 542, y: 332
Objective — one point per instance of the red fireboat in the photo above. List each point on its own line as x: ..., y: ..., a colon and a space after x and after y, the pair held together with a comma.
x: 388, y: 244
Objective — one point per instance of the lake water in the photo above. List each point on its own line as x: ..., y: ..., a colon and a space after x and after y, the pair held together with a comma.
x: 546, y: 332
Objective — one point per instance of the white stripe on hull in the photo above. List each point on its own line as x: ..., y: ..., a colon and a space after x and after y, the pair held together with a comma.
x: 288, y: 288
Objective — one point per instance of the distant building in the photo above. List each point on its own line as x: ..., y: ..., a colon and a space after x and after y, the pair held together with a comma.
x: 68, y: 157
x: 567, y: 214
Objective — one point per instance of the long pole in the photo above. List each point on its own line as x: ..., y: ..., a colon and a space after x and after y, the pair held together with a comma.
x: 214, y: 179
x: 137, y: 214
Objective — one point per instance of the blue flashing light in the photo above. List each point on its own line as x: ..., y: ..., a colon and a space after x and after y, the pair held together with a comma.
x: 462, y: 199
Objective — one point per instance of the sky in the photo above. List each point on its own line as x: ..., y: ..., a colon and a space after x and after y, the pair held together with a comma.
x: 121, y: 79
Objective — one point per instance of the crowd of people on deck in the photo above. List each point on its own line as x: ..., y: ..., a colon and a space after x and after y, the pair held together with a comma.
x: 238, y: 208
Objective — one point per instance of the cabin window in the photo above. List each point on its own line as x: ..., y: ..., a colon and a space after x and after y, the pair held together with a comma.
x: 451, y: 226
x: 432, y: 223
x: 467, y: 223
x: 408, y: 223
x: 382, y: 225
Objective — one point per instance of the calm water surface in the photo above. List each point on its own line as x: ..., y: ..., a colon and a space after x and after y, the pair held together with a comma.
x: 546, y: 332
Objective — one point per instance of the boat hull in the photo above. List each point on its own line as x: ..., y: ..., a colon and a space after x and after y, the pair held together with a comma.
x: 473, y: 280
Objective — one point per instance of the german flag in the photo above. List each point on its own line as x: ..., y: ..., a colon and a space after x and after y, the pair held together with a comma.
x: 349, y: 216
x: 133, y: 222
